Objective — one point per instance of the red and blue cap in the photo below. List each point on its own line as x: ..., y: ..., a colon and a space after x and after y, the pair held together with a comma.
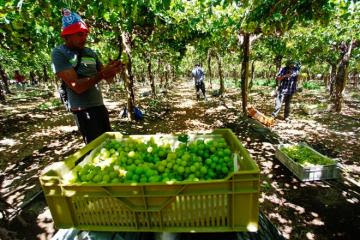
x: 72, y: 23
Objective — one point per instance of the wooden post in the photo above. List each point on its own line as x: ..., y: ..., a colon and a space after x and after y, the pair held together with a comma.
x: 245, y: 71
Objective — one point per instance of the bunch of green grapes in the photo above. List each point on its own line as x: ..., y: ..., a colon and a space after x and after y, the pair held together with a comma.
x: 133, y: 161
x: 94, y: 174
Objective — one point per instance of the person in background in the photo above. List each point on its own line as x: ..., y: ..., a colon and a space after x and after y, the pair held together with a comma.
x: 20, y: 80
x: 80, y: 70
x: 287, y: 78
x: 199, y: 78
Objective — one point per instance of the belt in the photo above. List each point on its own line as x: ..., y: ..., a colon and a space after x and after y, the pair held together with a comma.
x: 75, y: 110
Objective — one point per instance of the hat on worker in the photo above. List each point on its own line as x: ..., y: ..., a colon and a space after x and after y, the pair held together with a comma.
x: 72, y: 23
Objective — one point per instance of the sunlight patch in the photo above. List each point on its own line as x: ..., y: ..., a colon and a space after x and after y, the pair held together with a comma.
x: 195, y: 123
x: 186, y: 103
x: 66, y: 128
x: 317, y: 222
x: 299, y: 209
x: 210, y: 110
x: 221, y: 108
x: 310, y: 236
x: 9, y: 142
x: 353, y: 200
x: 111, y: 104
x: 37, y: 116
x: 45, y: 222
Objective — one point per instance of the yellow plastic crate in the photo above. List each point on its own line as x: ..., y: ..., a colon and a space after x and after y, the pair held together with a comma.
x: 225, y: 205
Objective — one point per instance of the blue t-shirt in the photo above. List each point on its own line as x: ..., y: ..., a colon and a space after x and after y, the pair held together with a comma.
x: 198, y: 74
x: 64, y: 58
x: 289, y: 84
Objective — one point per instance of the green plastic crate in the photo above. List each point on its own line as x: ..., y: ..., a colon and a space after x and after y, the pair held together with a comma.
x: 225, y: 205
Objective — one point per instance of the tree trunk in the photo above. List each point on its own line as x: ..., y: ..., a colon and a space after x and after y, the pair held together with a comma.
x: 352, y: 78
x: 356, y: 80
x: 308, y: 76
x: 220, y: 71
x: 46, y: 77
x: 2, y: 93
x: 332, y: 78
x: 143, y: 76
x: 234, y: 74
x: 5, y: 80
x: 129, y: 77
x: 173, y: 73
x: 252, y: 75
x: 271, y: 74
x: 325, y: 79
x: 341, y: 79
x: 150, y: 75
x: 245, y: 71
x: 209, y: 67
x: 236, y: 80
x: 278, y: 60
x: 160, y: 75
x: 32, y: 78
x: 167, y: 75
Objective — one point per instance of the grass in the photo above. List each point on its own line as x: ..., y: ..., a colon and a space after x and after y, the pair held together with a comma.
x: 230, y: 82
x: 30, y: 94
x: 264, y: 82
x: 355, y: 95
x: 311, y: 85
x: 49, y: 105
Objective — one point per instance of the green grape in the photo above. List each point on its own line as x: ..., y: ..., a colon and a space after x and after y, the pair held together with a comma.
x: 97, y: 178
x: 115, y: 180
x: 139, y: 170
x: 203, y: 170
x: 106, y: 178
x: 113, y: 174
x: 143, y: 179
x: 180, y: 169
x: 227, y: 151
x: 224, y: 170
x: 183, y: 163
x: 208, y: 162
x: 135, y: 178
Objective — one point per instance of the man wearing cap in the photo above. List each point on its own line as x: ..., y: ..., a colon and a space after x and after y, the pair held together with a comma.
x: 80, y: 69
x: 199, y: 77
x: 287, y: 77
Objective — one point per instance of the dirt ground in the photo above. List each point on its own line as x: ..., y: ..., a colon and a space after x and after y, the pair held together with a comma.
x: 33, y: 136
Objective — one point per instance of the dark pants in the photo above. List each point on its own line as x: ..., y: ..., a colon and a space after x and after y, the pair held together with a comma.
x: 200, y: 86
x: 280, y: 98
x: 92, y: 122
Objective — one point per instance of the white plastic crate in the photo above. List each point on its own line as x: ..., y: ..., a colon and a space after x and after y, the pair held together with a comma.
x: 307, y: 173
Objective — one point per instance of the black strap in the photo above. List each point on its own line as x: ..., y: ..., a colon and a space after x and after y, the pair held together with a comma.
x: 79, y: 57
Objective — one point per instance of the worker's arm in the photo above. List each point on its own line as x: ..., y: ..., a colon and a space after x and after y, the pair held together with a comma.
x: 283, y: 73
x: 280, y: 78
x: 80, y: 85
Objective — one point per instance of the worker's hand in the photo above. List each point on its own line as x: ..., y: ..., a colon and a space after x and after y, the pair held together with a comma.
x: 111, y: 69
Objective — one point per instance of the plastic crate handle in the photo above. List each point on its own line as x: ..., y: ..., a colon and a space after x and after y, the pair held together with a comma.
x: 131, y: 206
